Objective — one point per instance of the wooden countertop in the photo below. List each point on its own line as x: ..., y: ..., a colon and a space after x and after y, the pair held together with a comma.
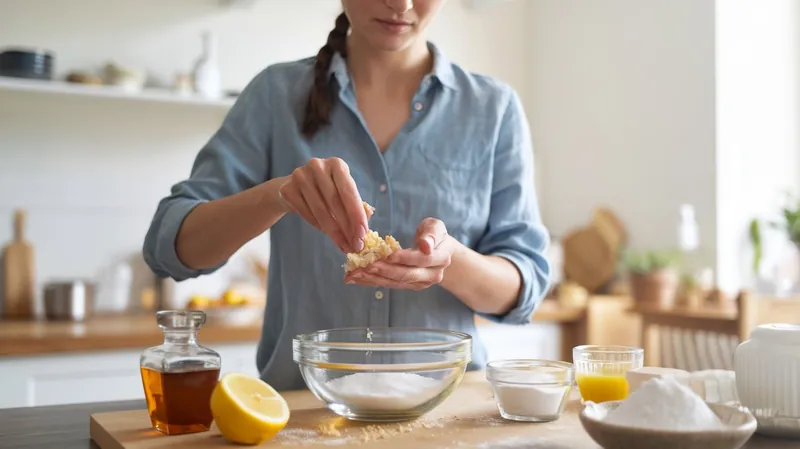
x: 723, y: 320
x: 549, y: 311
x: 67, y: 426
x: 25, y: 338
x: 21, y: 338
x: 727, y: 313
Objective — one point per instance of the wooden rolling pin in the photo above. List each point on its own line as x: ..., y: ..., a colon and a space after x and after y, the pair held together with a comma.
x: 18, y: 273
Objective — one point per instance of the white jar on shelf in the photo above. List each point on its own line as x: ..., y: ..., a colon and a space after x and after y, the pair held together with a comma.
x: 207, y: 79
x: 767, y: 369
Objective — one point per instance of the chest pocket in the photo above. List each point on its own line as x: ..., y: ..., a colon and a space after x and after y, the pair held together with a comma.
x: 449, y: 183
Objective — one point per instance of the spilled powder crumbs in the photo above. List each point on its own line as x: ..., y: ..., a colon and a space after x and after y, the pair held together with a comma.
x: 305, y: 437
x: 513, y: 443
x: 329, y: 435
x: 376, y: 432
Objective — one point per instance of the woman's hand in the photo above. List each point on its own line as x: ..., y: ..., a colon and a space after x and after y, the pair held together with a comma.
x: 413, y: 269
x: 325, y: 195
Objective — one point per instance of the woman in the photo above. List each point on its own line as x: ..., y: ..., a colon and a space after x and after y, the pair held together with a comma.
x: 378, y: 115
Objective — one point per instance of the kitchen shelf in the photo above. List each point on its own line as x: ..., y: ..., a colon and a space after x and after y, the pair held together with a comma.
x: 8, y: 84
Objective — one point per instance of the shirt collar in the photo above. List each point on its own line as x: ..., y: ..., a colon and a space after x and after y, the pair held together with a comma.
x: 442, y: 69
x: 338, y: 69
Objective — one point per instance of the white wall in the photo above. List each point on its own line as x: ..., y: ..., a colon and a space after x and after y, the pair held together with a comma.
x: 622, y: 106
x: 758, y: 119
x: 90, y: 171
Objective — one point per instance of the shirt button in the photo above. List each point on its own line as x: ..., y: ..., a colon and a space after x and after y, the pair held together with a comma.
x: 382, y: 188
x: 379, y: 295
x: 417, y: 107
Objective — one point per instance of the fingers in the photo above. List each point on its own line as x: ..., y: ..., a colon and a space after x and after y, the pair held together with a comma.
x: 351, y: 200
x: 325, y: 195
x: 430, y: 233
x: 414, y: 258
x: 401, y: 274
x: 294, y: 199
x: 373, y: 280
x: 307, y: 183
x: 405, y: 274
x: 326, y: 205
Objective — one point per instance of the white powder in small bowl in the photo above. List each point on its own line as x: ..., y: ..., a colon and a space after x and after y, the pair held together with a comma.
x: 530, y: 392
x: 531, y: 401
x: 665, y: 404
x: 384, y: 391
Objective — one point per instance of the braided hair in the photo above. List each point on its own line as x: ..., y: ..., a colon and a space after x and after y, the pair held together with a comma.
x: 321, y: 98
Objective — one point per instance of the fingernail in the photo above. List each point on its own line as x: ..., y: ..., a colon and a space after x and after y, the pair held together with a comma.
x: 362, y: 232
x: 358, y: 244
x: 351, y: 282
x: 429, y: 239
x: 372, y: 270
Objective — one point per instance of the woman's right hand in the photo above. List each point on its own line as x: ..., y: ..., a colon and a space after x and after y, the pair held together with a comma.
x: 326, y: 196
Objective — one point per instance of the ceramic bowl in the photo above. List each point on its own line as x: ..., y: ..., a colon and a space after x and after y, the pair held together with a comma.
x: 739, y: 427
x: 766, y: 368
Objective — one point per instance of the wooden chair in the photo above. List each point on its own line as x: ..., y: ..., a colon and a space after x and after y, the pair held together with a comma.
x: 756, y: 310
x: 610, y: 323
x: 706, y: 338
x: 606, y: 321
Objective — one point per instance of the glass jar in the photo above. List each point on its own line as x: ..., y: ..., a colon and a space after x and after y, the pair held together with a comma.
x: 601, y: 371
x: 179, y: 375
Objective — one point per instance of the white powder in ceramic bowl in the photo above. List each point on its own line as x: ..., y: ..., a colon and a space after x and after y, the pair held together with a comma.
x: 384, y: 391
x: 665, y: 404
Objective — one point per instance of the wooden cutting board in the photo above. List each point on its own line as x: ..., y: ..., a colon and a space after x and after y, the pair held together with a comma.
x: 589, y: 259
x: 18, y: 273
x: 467, y: 419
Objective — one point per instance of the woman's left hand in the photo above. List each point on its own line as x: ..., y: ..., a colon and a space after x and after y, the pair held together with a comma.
x: 411, y: 269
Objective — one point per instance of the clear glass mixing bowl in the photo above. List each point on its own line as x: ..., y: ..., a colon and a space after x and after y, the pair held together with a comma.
x: 382, y: 374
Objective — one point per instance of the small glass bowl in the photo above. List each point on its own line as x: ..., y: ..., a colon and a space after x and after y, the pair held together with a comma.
x: 531, y: 390
x: 601, y: 370
x: 382, y: 374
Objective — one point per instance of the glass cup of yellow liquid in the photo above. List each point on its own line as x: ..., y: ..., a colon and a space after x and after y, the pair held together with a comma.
x: 600, y: 371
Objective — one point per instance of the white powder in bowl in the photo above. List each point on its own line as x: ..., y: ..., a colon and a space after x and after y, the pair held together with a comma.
x: 384, y: 391
x: 665, y: 404
x: 531, y: 401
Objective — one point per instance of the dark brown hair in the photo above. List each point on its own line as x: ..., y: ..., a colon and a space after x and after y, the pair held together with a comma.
x: 321, y: 98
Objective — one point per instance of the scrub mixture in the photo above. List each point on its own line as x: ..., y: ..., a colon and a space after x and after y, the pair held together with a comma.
x: 384, y: 391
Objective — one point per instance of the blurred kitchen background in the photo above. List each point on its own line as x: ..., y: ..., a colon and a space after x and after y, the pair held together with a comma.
x: 667, y: 149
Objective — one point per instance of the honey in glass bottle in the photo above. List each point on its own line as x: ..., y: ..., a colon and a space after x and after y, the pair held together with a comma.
x: 179, y: 375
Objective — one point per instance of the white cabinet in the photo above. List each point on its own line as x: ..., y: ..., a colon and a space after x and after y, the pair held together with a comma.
x: 114, y: 375
x: 532, y: 341
x: 92, y: 376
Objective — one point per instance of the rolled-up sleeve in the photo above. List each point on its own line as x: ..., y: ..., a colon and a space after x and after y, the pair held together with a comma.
x: 233, y: 160
x: 515, y: 230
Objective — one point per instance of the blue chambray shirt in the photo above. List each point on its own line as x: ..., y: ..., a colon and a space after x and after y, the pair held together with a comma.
x: 464, y: 156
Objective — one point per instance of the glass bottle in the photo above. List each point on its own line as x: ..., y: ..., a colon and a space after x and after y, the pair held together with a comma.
x: 694, y: 267
x: 179, y: 375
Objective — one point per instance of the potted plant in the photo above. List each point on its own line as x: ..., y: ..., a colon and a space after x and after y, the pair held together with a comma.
x: 653, y: 276
x: 789, y: 222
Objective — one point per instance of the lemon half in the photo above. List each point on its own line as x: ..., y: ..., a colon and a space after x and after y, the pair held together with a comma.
x: 247, y: 410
